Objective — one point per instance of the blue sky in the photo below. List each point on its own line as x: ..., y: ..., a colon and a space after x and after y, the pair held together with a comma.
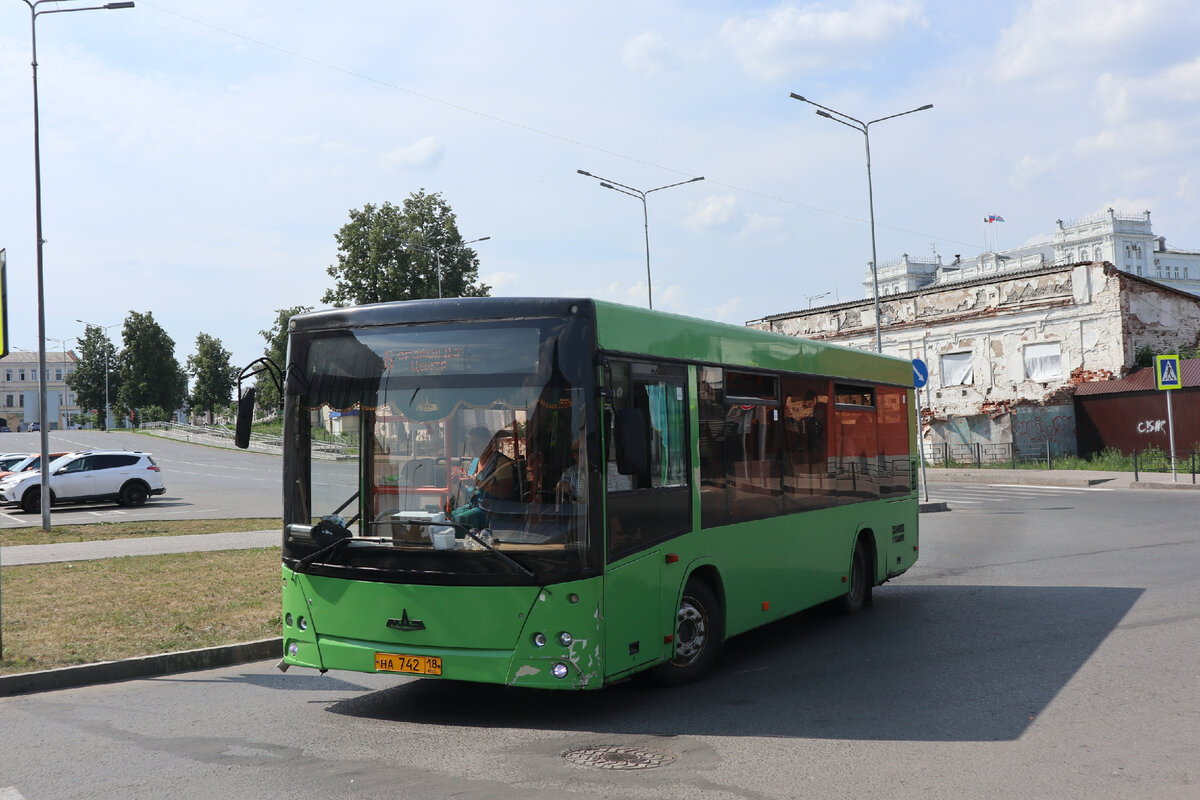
x: 197, y: 158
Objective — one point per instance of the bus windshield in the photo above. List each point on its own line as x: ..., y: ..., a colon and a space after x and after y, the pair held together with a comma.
x: 447, y: 452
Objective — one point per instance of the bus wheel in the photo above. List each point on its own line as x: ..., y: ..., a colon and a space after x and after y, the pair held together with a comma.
x: 860, y: 581
x: 699, y: 632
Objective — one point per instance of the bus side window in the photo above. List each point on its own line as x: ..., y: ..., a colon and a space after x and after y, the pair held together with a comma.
x: 807, y: 481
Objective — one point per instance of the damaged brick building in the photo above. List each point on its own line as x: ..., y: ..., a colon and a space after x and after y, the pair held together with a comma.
x: 1005, y: 352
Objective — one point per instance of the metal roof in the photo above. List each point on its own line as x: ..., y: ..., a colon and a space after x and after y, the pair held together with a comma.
x: 1142, y: 380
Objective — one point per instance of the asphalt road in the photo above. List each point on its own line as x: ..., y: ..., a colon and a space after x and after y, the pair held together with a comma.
x: 201, y: 482
x: 1044, y: 646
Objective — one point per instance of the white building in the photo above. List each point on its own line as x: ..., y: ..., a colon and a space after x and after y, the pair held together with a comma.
x: 19, y: 390
x: 1006, y: 350
x: 1124, y: 240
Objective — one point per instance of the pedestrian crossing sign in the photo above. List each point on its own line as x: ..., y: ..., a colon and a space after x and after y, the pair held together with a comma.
x: 1166, y: 372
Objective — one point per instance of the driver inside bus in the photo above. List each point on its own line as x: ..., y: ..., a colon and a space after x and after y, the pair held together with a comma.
x: 493, y: 473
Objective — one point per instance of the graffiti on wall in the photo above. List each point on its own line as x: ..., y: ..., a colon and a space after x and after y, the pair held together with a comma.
x: 1035, y: 426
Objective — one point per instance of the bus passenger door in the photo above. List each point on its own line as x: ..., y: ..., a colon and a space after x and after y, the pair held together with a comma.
x: 647, y: 503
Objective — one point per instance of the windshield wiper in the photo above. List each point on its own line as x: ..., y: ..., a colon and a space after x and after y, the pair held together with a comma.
x: 328, y: 550
x: 504, y: 557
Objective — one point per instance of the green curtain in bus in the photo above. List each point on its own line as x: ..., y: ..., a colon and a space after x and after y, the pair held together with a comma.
x: 667, y: 419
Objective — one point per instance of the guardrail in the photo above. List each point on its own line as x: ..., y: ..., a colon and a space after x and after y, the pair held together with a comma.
x: 979, y: 454
x: 1187, y: 461
x: 1005, y: 455
x: 222, y: 436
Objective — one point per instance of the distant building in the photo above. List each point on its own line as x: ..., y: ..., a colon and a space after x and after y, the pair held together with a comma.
x: 1006, y: 349
x: 1124, y: 240
x: 19, y: 390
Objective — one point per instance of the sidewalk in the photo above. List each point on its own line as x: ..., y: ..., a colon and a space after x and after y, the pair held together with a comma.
x: 1064, y: 477
x: 149, y: 546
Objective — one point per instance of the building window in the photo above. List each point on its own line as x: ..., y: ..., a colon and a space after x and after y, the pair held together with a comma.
x: 957, y: 370
x: 58, y: 376
x: 1043, y: 362
x: 8, y: 401
x: 20, y: 374
x: 8, y: 374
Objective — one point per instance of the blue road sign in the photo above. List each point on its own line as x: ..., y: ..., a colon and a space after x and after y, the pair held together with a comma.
x: 1166, y: 372
x: 920, y: 373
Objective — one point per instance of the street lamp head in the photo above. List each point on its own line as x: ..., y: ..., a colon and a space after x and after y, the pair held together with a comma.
x: 118, y: 5
x: 925, y: 107
x: 795, y: 96
x: 693, y: 180
x: 825, y: 114
x: 585, y: 172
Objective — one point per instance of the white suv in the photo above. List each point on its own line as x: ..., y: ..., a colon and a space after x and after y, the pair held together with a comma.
x: 129, y: 477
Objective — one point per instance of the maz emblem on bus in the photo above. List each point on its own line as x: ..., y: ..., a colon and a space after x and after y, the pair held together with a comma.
x: 406, y: 624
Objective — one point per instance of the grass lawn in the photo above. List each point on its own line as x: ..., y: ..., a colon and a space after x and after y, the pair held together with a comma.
x: 63, y: 614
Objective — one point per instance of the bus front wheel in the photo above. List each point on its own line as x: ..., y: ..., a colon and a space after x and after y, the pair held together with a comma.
x: 699, y: 632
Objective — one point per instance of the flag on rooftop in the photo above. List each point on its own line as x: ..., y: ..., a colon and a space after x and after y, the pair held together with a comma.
x: 993, y: 218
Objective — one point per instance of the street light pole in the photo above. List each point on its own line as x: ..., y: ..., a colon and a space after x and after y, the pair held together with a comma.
x: 437, y: 255
x: 107, y: 341
x: 34, y: 13
x: 864, y: 129
x: 640, y: 195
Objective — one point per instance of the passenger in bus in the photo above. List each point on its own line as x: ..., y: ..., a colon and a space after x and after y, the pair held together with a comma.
x: 570, y: 485
x: 493, y: 474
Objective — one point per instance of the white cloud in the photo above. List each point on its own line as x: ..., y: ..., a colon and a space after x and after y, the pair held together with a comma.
x: 791, y: 38
x: 713, y: 214
x: 645, y: 54
x: 501, y: 282
x: 425, y: 152
x: 1053, y: 35
x: 722, y: 215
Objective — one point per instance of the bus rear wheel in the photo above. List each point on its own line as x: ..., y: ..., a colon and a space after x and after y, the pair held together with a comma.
x: 859, y: 591
x: 699, y: 633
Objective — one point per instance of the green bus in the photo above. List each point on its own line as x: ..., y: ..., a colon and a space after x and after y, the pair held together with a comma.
x: 561, y: 493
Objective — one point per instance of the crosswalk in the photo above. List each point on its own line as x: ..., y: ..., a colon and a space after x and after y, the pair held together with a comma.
x: 982, y: 494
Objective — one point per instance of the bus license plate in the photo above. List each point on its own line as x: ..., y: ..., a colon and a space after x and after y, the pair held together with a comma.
x: 413, y: 665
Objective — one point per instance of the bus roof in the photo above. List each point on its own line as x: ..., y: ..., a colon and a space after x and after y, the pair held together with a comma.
x: 632, y: 330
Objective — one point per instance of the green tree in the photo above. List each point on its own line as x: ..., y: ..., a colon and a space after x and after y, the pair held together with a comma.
x: 150, y: 374
x: 215, y: 376
x: 388, y: 253
x: 266, y: 392
x: 96, y: 378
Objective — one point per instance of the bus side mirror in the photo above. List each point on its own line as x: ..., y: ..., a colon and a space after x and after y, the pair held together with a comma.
x: 633, y: 444
x: 245, y: 416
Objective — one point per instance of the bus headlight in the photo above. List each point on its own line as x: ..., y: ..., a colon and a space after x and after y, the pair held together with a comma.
x: 288, y: 619
x: 302, y: 624
x: 539, y: 640
x: 293, y: 649
x: 559, y: 670
x: 565, y: 639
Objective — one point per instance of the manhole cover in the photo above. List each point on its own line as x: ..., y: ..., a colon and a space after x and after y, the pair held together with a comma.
x: 614, y: 757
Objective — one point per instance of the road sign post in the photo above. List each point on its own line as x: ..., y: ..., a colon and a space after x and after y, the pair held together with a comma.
x: 1167, y: 377
x: 920, y: 378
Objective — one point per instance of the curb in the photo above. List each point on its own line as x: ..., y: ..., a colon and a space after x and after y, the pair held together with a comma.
x: 933, y: 506
x: 142, y: 667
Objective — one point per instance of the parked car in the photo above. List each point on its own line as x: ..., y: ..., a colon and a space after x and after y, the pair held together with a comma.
x: 129, y: 477
x: 28, y: 462
x: 7, y: 460
x: 35, y: 426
